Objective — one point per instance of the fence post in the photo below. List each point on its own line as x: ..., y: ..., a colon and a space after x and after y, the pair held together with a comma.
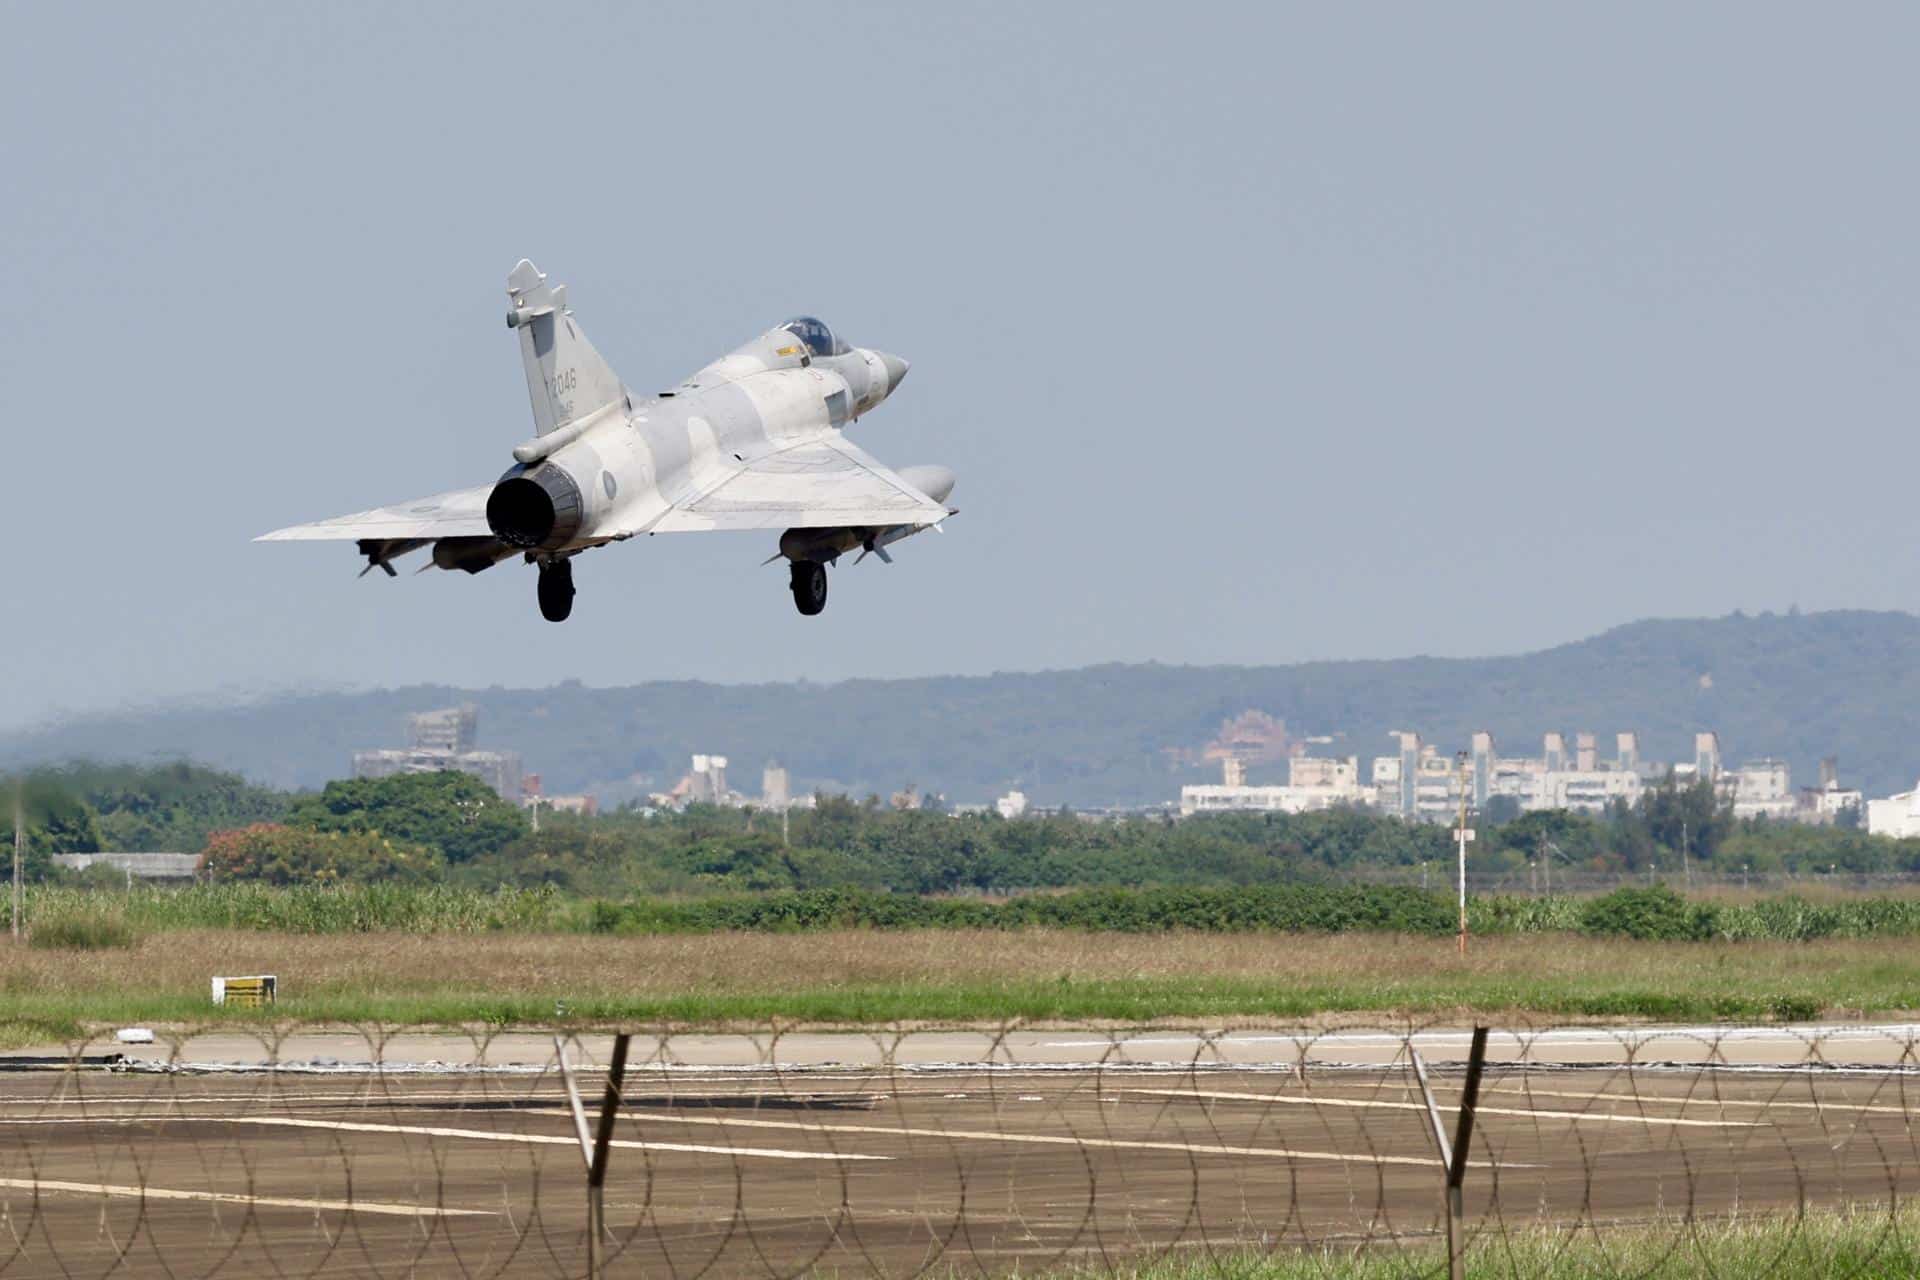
x: 1453, y: 1156
x: 595, y: 1149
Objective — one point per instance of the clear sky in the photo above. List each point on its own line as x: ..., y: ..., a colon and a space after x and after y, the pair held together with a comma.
x: 1254, y: 332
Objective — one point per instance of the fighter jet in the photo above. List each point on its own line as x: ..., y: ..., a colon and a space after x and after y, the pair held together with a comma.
x: 755, y: 440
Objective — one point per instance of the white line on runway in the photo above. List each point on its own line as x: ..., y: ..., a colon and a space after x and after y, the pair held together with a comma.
x: 1309, y: 1101
x: 1049, y: 1139
x: 494, y: 1135
x: 1707, y: 1100
x: 1890, y: 1033
x: 230, y: 1197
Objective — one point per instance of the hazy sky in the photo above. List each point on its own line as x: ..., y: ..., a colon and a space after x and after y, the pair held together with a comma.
x: 1254, y: 333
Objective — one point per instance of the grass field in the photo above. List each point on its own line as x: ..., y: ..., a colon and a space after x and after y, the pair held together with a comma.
x: 956, y: 976
x: 1863, y: 1243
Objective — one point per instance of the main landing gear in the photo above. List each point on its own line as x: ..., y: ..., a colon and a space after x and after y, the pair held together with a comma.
x: 809, y: 586
x: 556, y: 590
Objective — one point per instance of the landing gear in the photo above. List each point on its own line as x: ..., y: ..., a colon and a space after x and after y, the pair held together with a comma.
x: 809, y: 586
x: 556, y: 590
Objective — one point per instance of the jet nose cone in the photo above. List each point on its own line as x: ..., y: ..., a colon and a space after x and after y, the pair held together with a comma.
x: 896, y: 371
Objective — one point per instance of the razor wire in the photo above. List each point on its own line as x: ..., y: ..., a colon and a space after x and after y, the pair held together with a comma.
x: 293, y: 1150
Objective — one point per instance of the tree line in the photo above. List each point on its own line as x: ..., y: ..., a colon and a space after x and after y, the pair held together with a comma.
x: 451, y: 828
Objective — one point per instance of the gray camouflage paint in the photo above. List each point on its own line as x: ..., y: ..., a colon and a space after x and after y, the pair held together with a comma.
x: 750, y: 441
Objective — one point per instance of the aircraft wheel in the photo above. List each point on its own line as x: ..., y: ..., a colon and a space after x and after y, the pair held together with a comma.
x: 556, y: 590
x: 809, y: 586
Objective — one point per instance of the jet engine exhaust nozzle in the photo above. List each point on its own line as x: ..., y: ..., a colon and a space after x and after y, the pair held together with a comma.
x: 537, y: 510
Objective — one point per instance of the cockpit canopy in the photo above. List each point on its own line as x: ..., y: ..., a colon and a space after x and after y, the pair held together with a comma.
x: 819, y: 340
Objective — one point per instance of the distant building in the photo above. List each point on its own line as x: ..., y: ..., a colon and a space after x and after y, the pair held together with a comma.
x: 141, y: 866
x: 1313, y: 783
x: 1897, y: 816
x: 1251, y: 735
x: 1424, y: 785
x: 776, y: 789
x: 532, y: 797
x: 1421, y: 783
x: 584, y: 805
x: 454, y: 730
x: 1829, y: 803
x: 704, y: 783
x: 1763, y: 789
x: 1706, y: 756
x: 443, y: 741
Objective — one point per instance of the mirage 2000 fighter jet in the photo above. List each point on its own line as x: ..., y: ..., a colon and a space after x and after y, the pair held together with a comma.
x: 752, y: 441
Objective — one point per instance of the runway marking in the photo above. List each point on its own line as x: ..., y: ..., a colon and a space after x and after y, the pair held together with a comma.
x: 545, y: 1139
x: 232, y: 1197
x: 1814, y: 1034
x: 1421, y: 1106
x: 1681, y: 1100
x: 1050, y: 1139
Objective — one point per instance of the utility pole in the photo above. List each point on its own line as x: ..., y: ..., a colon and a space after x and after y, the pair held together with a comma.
x: 1462, y: 834
x: 1686, y: 866
x: 19, y: 843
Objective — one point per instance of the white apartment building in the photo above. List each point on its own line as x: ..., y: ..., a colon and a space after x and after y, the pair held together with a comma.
x: 1313, y: 783
x: 1897, y: 816
x: 1762, y: 789
x: 1422, y: 784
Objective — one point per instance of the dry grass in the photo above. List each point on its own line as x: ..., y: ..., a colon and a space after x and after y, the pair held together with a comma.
x: 951, y: 976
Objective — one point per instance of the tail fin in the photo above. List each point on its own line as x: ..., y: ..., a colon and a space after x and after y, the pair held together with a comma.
x: 566, y: 378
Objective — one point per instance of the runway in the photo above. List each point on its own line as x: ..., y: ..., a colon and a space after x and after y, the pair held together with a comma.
x: 1825, y: 1045
x: 881, y: 1155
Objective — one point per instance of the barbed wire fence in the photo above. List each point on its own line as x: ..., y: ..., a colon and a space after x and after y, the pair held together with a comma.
x: 297, y: 1151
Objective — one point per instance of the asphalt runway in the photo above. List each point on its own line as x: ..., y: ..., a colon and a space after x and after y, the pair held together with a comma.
x: 1878, y: 1045
x: 916, y: 1159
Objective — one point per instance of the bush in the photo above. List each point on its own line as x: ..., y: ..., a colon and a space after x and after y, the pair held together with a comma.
x: 84, y: 926
x: 454, y: 814
x: 286, y: 856
x: 1271, y: 908
x: 1652, y: 914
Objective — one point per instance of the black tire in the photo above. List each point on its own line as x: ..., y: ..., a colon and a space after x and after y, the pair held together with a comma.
x: 809, y: 587
x: 556, y: 591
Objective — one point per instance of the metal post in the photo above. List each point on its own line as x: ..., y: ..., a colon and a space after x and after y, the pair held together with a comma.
x: 1462, y: 834
x: 1453, y: 1156
x: 19, y: 842
x: 603, y: 1141
x: 595, y: 1148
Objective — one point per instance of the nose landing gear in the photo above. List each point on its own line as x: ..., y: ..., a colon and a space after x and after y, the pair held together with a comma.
x: 556, y: 590
x: 809, y: 586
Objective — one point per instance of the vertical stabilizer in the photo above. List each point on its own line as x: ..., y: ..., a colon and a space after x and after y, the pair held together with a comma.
x: 566, y: 378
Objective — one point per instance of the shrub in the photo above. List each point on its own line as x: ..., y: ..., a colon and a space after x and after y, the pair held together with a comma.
x: 84, y: 926
x: 1651, y: 914
x: 457, y: 816
x: 288, y: 856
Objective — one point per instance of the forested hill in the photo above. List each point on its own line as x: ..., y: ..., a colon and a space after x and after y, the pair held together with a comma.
x: 1796, y: 686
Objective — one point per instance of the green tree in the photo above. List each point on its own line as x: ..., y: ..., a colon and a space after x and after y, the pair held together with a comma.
x: 173, y: 806
x: 53, y: 819
x: 455, y: 814
x: 292, y: 855
x: 1690, y: 819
